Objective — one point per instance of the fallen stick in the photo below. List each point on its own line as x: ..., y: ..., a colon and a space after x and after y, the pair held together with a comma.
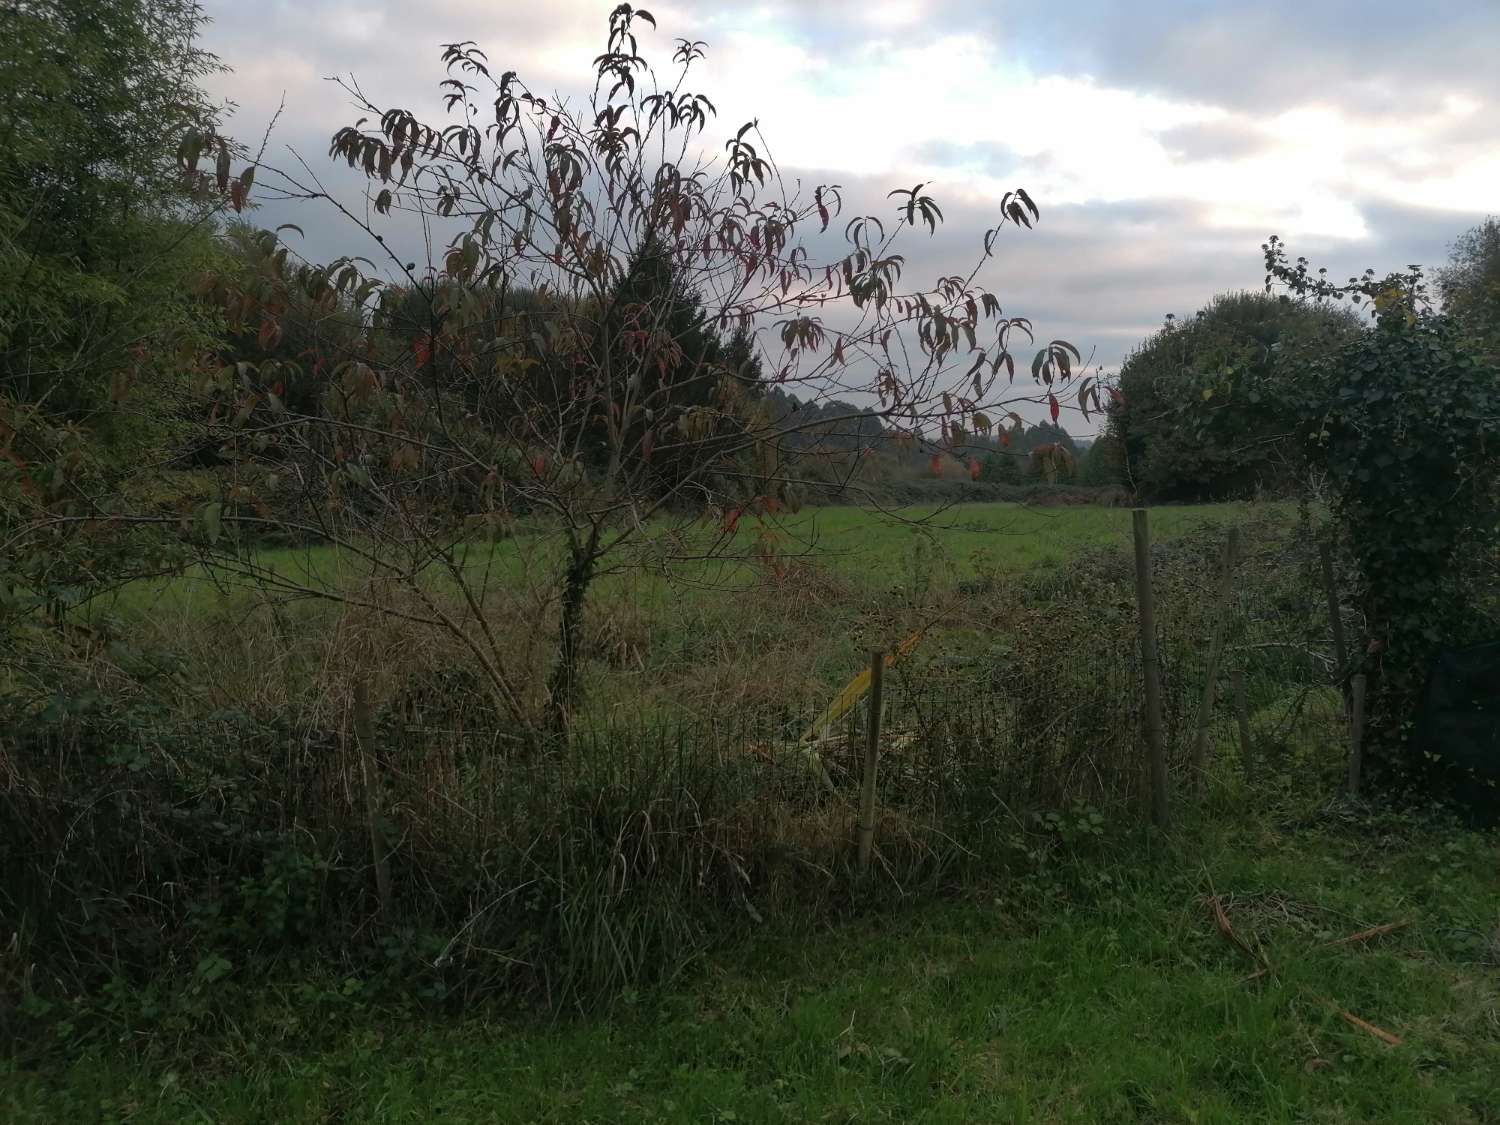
x: 1365, y: 1025
x: 1366, y: 935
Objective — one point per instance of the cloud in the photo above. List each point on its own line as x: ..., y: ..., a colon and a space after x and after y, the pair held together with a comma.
x: 1226, y: 139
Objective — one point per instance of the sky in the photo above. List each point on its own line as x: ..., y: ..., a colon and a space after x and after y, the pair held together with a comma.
x: 1163, y: 140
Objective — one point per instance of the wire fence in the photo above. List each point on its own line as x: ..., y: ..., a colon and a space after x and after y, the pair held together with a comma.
x: 1055, y: 712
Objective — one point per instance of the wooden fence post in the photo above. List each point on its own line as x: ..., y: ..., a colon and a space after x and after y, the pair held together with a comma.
x: 1242, y: 721
x: 1215, y: 654
x: 872, y: 755
x: 1356, y: 732
x: 1335, y: 618
x: 364, y: 735
x: 1151, y: 668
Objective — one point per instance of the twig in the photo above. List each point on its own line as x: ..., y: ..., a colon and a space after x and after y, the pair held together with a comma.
x: 1365, y: 1025
x: 1366, y: 935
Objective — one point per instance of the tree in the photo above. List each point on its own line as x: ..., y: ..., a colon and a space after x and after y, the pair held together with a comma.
x: 1470, y: 284
x: 97, y: 226
x: 1000, y: 467
x: 105, y: 219
x: 1103, y: 463
x: 1199, y: 408
x: 614, y: 211
x: 305, y: 337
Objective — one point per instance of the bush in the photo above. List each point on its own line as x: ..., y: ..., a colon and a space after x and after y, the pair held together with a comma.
x: 1202, y: 413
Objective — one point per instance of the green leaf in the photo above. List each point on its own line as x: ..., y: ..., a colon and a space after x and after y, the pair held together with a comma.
x: 212, y: 515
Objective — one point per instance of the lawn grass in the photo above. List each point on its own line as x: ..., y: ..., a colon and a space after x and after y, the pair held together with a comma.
x: 1098, y: 990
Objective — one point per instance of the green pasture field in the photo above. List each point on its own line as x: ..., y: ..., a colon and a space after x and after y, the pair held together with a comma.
x: 857, y: 544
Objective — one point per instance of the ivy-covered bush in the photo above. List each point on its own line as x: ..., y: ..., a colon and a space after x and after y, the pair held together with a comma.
x: 1400, y: 418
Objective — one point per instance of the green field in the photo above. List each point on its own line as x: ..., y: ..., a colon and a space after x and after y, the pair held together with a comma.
x: 851, y: 543
x: 1101, y: 992
x: 684, y: 638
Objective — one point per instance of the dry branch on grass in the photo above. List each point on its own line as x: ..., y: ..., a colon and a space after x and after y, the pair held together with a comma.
x: 1367, y: 935
x: 1227, y: 931
x: 1365, y: 1025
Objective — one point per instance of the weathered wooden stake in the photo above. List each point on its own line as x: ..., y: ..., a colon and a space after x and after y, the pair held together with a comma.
x: 1335, y: 618
x: 872, y: 755
x: 1356, y: 731
x: 1228, y: 558
x: 364, y: 734
x: 1242, y: 720
x: 1151, y: 668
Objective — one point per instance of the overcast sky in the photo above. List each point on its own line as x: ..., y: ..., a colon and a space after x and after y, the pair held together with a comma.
x: 1162, y: 139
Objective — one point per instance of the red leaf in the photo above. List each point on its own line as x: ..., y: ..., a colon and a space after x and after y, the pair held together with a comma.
x: 973, y: 468
x: 935, y: 466
x: 1052, y: 402
x: 538, y: 465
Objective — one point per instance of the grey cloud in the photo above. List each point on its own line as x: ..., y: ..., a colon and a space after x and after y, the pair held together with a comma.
x: 1258, y: 56
x: 1214, y: 140
x: 1100, y: 275
x: 1381, y: 54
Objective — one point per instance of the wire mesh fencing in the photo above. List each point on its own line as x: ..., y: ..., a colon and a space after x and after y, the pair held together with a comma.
x: 1050, y: 711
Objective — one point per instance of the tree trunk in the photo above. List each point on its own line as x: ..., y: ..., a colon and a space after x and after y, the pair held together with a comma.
x: 563, y: 685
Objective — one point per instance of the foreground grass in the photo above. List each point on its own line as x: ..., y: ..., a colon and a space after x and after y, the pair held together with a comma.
x: 1098, y: 990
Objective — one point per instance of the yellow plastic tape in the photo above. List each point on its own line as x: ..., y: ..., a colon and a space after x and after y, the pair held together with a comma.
x: 855, y: 690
